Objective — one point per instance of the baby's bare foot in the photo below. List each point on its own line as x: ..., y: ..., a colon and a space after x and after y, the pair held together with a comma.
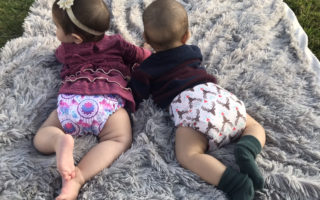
x: 64, y: 153
x: 70, y: 189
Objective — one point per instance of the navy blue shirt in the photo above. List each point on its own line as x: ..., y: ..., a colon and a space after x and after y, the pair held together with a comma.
x: 165, y: 74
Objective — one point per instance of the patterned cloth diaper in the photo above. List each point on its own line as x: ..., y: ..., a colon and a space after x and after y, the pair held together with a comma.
x: 211, y: 110
x: 80, y: 115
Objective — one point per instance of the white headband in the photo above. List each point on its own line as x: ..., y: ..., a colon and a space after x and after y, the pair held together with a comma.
x: 66, y: 5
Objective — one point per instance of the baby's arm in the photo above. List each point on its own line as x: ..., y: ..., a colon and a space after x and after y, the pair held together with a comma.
x: 147, y: 46
x: 133, y: 54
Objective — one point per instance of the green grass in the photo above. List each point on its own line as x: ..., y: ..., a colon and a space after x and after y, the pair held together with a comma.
x: 13, y: 12
x: 308, y: 14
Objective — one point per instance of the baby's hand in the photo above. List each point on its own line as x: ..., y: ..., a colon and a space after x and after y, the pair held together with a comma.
x: 147, y: 46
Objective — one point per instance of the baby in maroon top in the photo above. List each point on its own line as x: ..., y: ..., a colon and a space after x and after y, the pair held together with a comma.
x: 93, y: 92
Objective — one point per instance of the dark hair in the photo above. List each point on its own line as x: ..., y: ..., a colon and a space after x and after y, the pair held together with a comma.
x: 91, y: 13
x: 165, y: 22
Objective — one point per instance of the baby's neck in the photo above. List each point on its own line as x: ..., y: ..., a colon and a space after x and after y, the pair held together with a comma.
x: 178, y: 44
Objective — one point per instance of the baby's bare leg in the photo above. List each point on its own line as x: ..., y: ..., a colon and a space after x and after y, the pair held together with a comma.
x: 249, y: 145
x: 51, y: 139
x: 115, y: 138
x: 190, y: 151
x: 255, y: 129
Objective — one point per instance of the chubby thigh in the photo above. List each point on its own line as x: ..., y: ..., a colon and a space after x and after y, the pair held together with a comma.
x: 86, y: 114
x: 211, y: 110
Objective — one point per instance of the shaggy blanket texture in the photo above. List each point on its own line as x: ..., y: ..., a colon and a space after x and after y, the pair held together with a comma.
x: 257, y: 50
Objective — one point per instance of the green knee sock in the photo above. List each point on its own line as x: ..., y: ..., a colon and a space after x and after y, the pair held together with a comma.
x: 245, y: 153
x: 237, y: 185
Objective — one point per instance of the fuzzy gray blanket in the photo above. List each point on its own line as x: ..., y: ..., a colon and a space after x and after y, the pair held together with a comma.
x: 257, y: 50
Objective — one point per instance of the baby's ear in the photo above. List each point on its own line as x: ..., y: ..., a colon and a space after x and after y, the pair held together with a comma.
x: 186, y: 37
x: 77, y: 38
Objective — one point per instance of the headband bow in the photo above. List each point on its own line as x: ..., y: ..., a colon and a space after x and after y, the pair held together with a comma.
x: 66, y: 5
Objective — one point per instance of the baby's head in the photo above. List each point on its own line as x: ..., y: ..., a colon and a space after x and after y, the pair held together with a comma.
x: 165, y: 24
x: 86, y: 20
